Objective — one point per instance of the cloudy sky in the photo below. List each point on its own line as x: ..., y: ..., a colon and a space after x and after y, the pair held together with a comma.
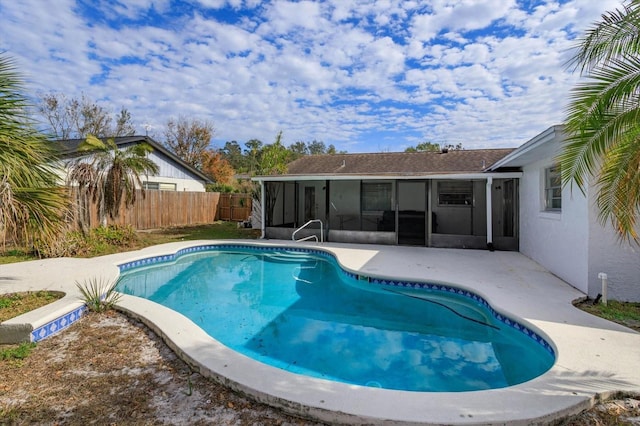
x: 364, y: 75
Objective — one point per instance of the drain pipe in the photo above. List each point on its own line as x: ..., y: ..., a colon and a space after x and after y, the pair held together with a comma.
x: 603, y: 277
x: 489, y: 214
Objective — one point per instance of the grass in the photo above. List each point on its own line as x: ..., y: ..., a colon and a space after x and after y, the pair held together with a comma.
x: 16, y: 352
x: 625, y: 313
x: 12, y: 256
x: 109, y: 240
x: 14, y: 304
x: 216, y: 231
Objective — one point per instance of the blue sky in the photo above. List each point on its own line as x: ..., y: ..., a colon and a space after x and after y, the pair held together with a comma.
x: 364, y: 76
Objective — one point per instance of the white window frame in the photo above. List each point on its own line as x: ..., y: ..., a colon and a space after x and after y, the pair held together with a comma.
x: 161, y: 186
x: 552, y: 194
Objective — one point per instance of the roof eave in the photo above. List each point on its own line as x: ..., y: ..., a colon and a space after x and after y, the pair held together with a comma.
x: 455, y: 175
x: 512, y: 158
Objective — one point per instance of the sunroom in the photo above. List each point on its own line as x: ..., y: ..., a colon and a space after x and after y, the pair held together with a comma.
x: 434, y: 199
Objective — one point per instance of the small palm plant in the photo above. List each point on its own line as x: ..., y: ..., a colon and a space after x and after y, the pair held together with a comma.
x: 99, y: 295
x: 109, y: 176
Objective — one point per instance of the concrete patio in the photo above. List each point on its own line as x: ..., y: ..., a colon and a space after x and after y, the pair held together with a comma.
x: 595, y: 358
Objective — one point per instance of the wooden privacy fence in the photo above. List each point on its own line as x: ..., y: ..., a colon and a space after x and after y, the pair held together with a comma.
x: 163, y: 209
x: 234, y: 207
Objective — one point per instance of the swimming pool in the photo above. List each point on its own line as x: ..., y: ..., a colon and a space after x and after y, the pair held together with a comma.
x: 299, y: 311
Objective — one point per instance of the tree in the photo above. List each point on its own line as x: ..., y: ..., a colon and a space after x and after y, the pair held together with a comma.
x: 433, y: 147
x: 273, y: 161
x: 317, y: 147
x: 78, y: 118
x: 110, y: 175
x: 189, y: 139
x: 603, y: 119
x: 218, y: 168
x: 232, y: 152
x: 298, y: 149
x: 124, y: 125
x: 252, y: 154
x: 32, y: 204
x: 274, y: 158
x: 331, y: 150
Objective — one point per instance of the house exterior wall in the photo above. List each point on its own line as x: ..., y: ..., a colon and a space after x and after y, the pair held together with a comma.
x: 169, y: 173
x: 618, y: 259
x: 559, y: 241
x: 186, y: 185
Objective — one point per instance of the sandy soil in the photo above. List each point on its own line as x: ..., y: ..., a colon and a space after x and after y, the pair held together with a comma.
x: 110, y: 369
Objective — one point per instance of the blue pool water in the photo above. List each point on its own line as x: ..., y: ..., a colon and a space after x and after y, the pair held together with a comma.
x: 302, y: 313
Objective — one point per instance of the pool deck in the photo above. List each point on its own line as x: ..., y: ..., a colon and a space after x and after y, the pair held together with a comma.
x: 595, y: 358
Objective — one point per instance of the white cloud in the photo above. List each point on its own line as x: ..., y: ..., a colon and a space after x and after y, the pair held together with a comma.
x: 341, y: 71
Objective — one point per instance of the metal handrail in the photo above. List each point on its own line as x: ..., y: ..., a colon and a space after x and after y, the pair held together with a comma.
x: 293, y: 236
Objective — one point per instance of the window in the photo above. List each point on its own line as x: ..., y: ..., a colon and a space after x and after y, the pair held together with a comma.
x: 553, y: 188
x: 376, y: 196
x: 455, y: 193
x: 159, y: 185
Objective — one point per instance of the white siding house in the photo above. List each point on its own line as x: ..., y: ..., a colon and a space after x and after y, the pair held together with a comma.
x: 173, y: 174
x: 563, y: 233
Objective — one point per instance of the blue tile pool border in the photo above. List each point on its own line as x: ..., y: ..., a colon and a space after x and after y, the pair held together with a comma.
x: 421, y: 285
x: 58, y: 324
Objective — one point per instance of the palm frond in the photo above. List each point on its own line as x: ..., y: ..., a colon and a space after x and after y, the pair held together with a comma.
x: 616, y: 34
x: 33, y: 206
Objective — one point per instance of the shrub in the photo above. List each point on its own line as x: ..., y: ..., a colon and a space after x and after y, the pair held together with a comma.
x: 68, y: 243
x: 99, y: 295
x: 97, y: 241
x: 221, y: 187
x: 116, y: 235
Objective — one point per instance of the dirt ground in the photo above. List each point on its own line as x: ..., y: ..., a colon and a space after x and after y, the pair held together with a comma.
x: 110, y: 369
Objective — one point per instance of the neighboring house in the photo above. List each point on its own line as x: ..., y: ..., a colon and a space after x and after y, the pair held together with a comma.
x: 173, y: 175
x: 559, y: 227
x: 507, y: 199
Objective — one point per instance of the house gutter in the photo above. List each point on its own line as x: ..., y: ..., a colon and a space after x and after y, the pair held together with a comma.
x: 442, y: 176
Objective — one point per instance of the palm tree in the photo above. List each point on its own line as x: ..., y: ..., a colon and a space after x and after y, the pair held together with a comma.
x: 109, y: 176
x: 32, y: 203
x: 603, y: 118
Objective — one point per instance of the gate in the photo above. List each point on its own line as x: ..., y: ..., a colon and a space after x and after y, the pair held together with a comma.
x: 234, y: 207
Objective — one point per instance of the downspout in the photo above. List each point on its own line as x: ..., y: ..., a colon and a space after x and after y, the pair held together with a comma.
x: 263, y: 225
x: 489, y: 214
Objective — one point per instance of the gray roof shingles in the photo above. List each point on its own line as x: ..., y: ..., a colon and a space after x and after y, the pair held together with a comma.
x: 398, y: 163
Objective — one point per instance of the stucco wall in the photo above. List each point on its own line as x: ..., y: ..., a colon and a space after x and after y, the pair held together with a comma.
x: 559, y: 241
x: 618, y: 259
